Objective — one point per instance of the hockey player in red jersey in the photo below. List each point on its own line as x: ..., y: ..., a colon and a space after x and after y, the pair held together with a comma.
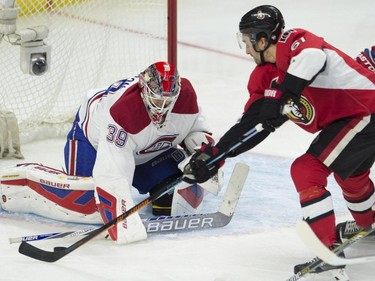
x: 327, y: 92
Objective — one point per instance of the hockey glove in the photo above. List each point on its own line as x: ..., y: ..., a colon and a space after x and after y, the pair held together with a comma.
x: 270, y: 113
x: 197, y: 171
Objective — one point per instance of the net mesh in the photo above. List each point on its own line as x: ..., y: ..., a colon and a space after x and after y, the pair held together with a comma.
x: 93, y: 43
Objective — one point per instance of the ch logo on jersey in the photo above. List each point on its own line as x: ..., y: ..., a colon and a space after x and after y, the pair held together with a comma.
x: 161, y: 143
x: 302, y: 113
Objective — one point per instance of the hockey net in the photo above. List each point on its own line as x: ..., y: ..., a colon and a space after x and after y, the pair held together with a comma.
x: 94, y: 43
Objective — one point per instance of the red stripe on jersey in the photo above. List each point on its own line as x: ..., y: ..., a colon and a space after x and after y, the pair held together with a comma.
x: 72, y: 169
x: 86, y: 121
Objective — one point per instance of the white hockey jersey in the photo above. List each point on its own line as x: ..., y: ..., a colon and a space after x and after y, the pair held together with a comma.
x: 117, y: 124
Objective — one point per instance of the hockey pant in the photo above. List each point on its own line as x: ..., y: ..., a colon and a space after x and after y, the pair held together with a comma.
x: 79, y: 154
x: 346, y: 148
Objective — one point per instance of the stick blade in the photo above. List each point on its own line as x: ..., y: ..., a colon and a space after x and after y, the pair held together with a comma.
x: 313, y: 243
x: 235, y: 185
x: 42, y: 255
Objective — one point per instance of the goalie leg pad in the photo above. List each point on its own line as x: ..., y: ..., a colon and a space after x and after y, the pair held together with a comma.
x: 9, y: 128
x: 187, y: 199
x: 110, y: 206
x: 15, y: 134
x: 214, y: 184
x: 50, y: 193
x: 4, y: 145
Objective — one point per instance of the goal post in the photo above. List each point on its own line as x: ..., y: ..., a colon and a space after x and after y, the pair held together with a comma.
x: 172, y: 31
x: 93, y: 43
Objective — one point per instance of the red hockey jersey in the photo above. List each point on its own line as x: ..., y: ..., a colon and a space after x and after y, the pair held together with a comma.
x: 340, y: 87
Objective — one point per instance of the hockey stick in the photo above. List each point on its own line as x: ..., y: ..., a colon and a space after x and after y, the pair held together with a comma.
x: 59, y: 252
x: 245, y: 137
x: 205, y: 221
x: 45, y: 236
x: 312, y: 241
x: 235, y: 184
x: 249, y: 134
x: 167, y: 224
x: 314, y: 263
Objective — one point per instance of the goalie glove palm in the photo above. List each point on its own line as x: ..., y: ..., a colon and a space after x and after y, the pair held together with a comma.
x: 197, y: 171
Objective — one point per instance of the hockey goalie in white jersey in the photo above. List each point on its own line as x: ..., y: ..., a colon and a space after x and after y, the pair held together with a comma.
x: 132, y: 134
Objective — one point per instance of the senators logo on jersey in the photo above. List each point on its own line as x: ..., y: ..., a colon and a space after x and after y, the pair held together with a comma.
x: 301, y: 113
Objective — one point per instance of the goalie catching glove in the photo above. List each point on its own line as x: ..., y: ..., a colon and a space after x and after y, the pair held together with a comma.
x: 197, y: 170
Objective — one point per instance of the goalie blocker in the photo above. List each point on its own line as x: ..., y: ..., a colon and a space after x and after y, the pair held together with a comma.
x: 51, y: 193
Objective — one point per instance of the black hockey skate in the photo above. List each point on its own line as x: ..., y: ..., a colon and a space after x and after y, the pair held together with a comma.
x: 346, y: 230
x: 335, y: 272
x: 319, y: 269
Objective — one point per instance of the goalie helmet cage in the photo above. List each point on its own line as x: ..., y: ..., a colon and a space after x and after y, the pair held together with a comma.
x: 93, y: 43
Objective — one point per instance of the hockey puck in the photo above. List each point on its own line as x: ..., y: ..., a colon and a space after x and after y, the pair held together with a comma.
x: 56, y: 249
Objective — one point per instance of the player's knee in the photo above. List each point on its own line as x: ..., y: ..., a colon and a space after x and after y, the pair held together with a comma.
x: 307, y: 171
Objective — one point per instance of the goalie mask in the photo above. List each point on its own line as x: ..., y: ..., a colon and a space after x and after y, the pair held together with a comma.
x: 160, y: 86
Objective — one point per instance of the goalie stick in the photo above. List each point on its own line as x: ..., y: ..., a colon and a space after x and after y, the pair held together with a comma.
x: 316, y: 246
x: 167, y: 224
x: 45, y: 236
x: 59, y: 252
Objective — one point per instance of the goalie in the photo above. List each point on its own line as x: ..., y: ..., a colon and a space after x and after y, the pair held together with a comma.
x: 132, y: 134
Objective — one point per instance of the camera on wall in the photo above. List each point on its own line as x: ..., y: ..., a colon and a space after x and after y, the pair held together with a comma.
x: 35, y: 54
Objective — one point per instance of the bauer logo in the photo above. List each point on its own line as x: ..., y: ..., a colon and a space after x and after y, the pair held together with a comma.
x: 180, y: 224
x: 54, y: 184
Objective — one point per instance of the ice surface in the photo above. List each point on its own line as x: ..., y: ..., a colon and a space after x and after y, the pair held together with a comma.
x: 260, y: 243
